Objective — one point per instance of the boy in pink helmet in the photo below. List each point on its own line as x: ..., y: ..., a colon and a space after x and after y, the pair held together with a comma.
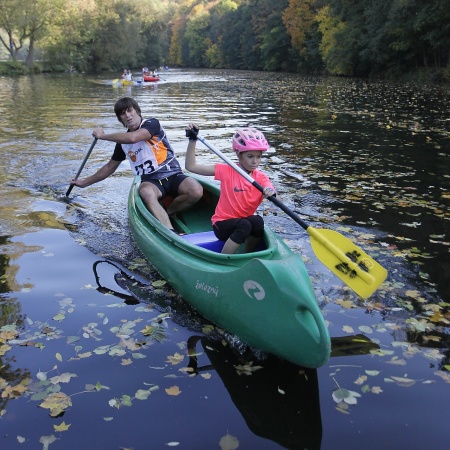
x: 234, y: 220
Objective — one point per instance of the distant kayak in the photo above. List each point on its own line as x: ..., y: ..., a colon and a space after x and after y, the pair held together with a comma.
x: 147, y: 78
x: 122, y: 82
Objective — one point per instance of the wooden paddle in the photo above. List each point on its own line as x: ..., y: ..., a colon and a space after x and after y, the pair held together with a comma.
x: 82, y: 165
x: 351, y: 264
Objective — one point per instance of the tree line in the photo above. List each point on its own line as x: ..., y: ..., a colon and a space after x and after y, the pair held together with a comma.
x: 338, y: 37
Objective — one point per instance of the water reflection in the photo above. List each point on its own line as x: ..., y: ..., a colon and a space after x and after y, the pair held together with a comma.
x: 11, y: 320
x: 278, y: 400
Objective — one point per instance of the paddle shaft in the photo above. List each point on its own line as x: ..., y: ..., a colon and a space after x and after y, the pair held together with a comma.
x: 272, y: 198
x: 351, y: 264
x: 82, y: 165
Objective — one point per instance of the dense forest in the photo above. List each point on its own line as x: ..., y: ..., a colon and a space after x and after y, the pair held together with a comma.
x: 387, y: 38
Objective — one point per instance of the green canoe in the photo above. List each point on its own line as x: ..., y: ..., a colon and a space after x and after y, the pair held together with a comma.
x: 265, y: 298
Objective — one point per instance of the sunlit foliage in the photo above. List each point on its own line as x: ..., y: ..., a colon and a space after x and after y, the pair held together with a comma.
x: 363, y: 38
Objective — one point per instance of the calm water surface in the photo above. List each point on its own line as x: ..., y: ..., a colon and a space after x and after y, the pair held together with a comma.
x: 370, y: 160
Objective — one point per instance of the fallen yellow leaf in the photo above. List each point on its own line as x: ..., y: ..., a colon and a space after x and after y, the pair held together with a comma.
x: 174, y: 390
x: 61, y: 427
x: 175, y: 359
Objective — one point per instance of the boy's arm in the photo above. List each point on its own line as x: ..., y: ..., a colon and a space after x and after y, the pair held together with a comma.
x: 104, y: 172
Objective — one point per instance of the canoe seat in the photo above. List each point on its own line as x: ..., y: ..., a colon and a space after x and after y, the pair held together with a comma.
x: 205, y: 239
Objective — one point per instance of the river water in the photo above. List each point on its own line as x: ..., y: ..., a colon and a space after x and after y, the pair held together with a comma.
x: 79, y: 367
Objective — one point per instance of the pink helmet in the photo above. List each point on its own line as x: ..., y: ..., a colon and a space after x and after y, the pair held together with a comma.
x: 248, y: 139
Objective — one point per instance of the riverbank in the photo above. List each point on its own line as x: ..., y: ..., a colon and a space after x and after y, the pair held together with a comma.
x: 419, y: 76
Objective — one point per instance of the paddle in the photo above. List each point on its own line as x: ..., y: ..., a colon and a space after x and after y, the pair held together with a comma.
x: 82, y: 165
x: 351, y: 264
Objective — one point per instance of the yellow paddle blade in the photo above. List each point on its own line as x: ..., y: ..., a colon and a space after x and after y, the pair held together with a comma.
x: 347, y: 261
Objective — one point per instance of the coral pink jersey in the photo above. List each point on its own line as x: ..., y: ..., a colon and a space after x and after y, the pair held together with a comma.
x: 238, y: 197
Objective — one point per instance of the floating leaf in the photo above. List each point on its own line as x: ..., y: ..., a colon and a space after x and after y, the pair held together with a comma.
x: 102, y: 350
x: 444, y: 375
x: 114, y: 403
x: 380, y: 352
x: 396, y: 361
x: 177, y: 358
x: 207, y: 329
x: 147, y: 331
x: 433, y: 354
x: 41, y: 376
x: 126, y: 400
x: 46, y: 441
x: 13, y: 391
x: 142, y: 394
x: 360, y: 380
x: 432, y: 338
x: 344, y: 395
x: 59, y: 357
x: 412, y: 294
x: 99, y: 386
x: 61, y: 427
x: 346, y: 304
x: 365, y: 329
x: 63, y: 378
x: 117, y: 352
x: 57, y: 403
x: 228, y: 442
x: 404, y: 382
x: 247, y: 369
x: 59, y: 317
x: 174, y: 390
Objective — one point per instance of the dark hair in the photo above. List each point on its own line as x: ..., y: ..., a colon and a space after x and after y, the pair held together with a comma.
x: 123, y: 104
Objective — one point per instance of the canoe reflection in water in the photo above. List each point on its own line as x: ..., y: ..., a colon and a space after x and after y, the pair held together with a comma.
x: 280, y: 400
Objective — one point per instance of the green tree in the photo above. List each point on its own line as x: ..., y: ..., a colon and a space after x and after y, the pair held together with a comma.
x: 420, y: 31
x: 196, y: 36
x: 337, y: 62
x: 117, y: 42
x: 299, y: 19
x: 25, y: 22
x: 68, y: 43
x: 176, y: 42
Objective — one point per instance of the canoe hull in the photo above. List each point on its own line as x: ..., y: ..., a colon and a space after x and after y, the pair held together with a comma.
x: 265, y: 298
